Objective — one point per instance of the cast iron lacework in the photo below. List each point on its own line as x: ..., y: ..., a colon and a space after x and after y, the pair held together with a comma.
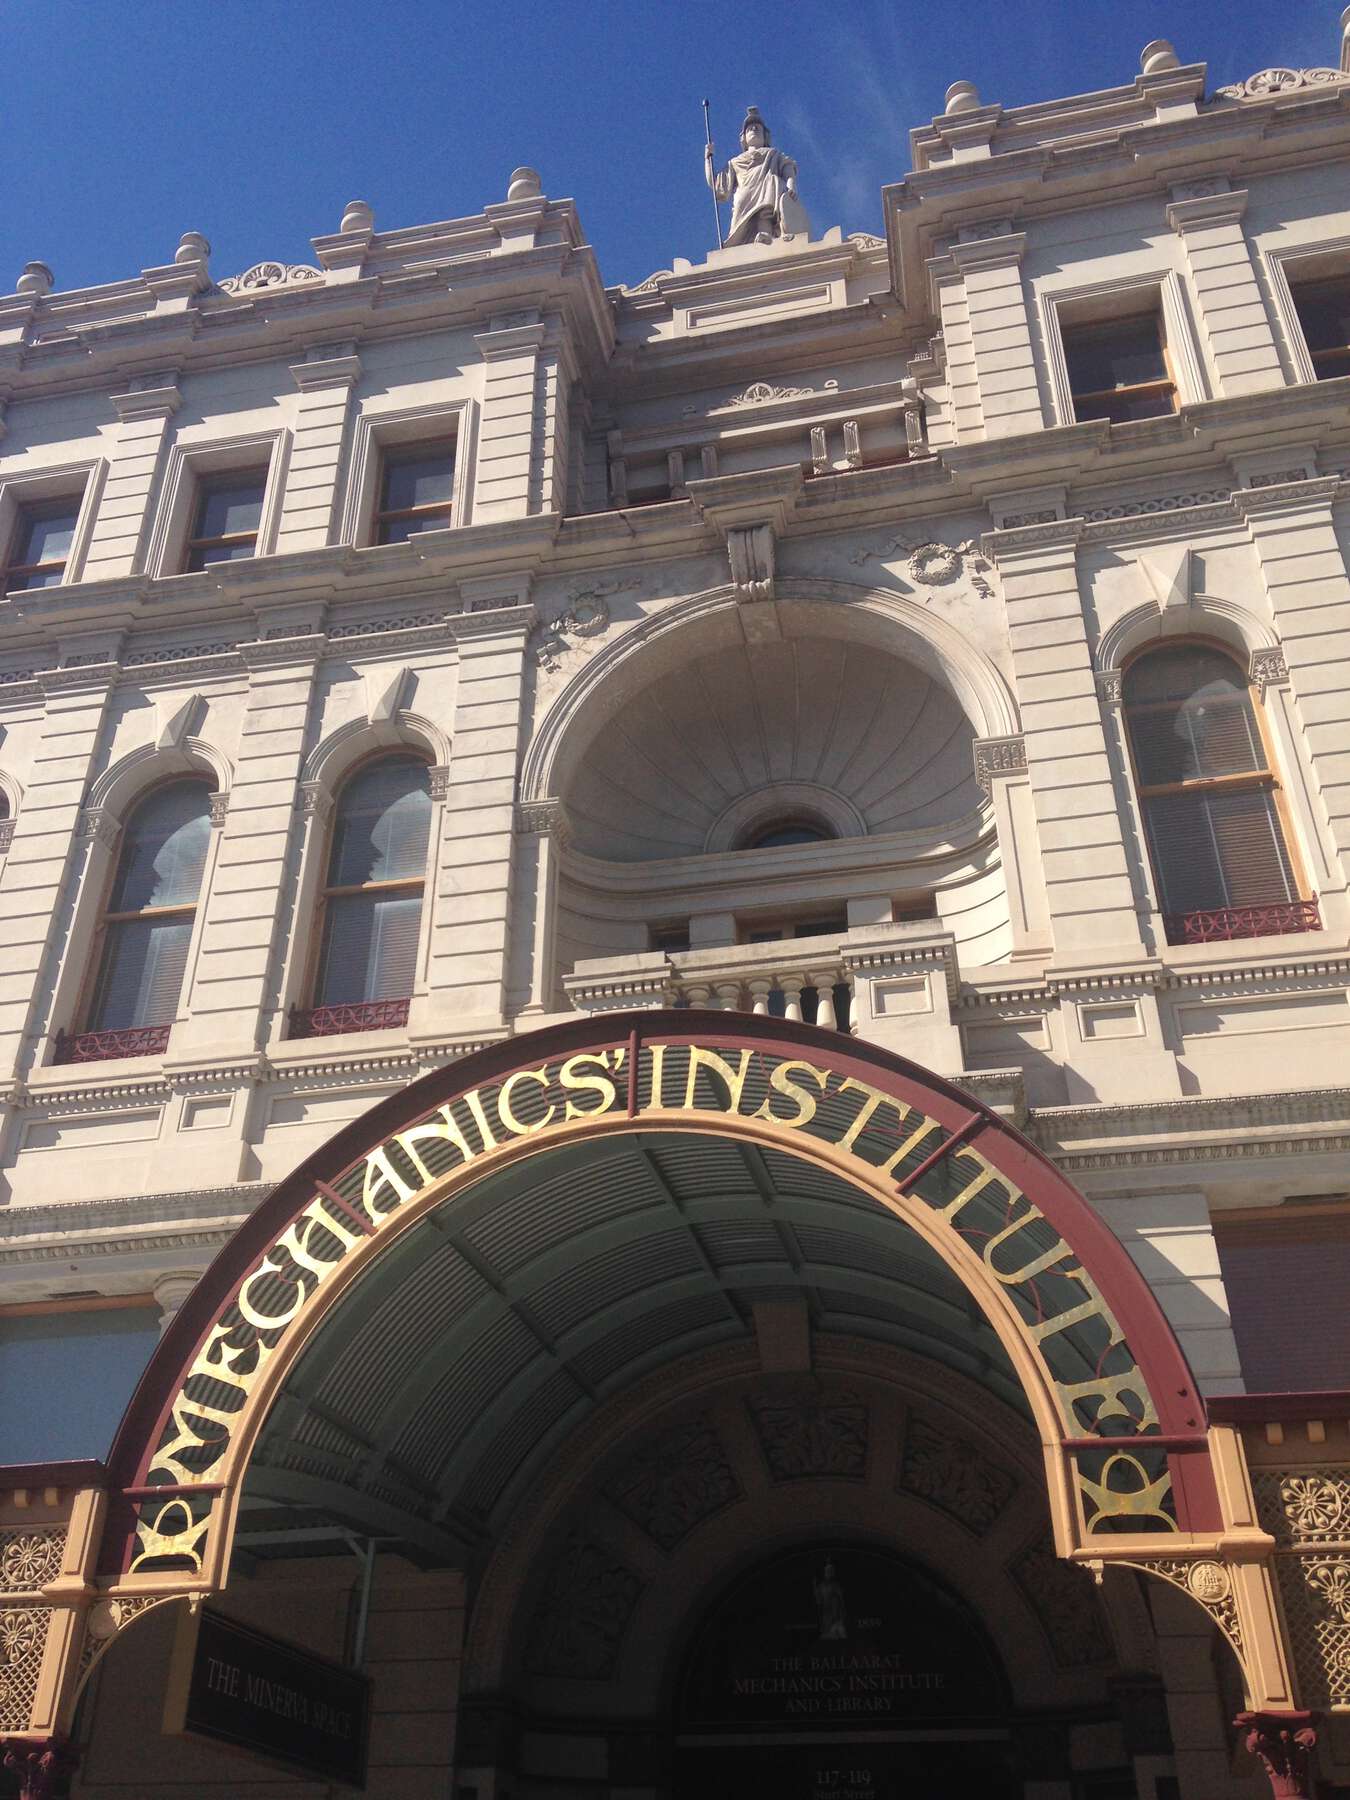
x: 582, y: 1614
x: 1207, y: 1582
x: 822, y: 1434
x: 23, y: 1638
x: 676, y: 1484
x: 1307, y: 1511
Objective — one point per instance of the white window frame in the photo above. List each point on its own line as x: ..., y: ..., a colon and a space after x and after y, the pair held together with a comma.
x: 1323, y: 261
x: 189, y: 465
x: 398, y: 428
x: 1119, y: 298
x: 40, y: 486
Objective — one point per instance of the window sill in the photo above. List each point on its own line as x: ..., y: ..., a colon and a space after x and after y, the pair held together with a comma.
x: 1227, y: 924
x: 107, y: 1046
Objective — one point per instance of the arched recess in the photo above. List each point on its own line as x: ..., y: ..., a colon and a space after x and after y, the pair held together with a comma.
x: 122, y: 784
x: 335, y: 755
x: 892, y: 622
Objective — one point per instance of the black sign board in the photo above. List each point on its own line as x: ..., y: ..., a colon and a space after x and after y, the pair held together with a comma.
x: 241, y: 1687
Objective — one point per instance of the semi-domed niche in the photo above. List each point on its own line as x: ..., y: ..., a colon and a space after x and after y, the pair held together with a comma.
x: 812, y: 734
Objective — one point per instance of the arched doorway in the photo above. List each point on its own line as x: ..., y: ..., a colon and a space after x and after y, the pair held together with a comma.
x: 419, y: 1329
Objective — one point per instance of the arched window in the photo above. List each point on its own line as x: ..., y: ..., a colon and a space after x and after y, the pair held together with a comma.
x: 1210, y: 799
x: 372, y: 899
x: 147, y: 926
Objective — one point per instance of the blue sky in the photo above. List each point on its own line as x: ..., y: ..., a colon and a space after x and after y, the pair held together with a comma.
x: 254, y: 121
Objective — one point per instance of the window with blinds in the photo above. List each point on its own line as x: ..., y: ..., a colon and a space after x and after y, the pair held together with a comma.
x: 372, y: 901
x: 147, y: 926
x: 1210, y: 799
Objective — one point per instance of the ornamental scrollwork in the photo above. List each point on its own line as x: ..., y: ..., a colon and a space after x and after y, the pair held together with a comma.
x: 269, y: 275
x: 820, y: 1435
x: 952, y: 1474
x: 1063, y: 1598
x: 676, y: 1484
x: 759, y: 393
x: 582, y: 1614
x: 933, y: 564
x: 585, y: 616
x: 109, y: 1616
x: 1278, y: 81
x: 1208, y: 1583
x: 1330, y: 1582
x: 30, y: 1559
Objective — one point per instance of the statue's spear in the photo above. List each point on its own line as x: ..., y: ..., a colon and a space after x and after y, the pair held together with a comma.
x: 717, y: 215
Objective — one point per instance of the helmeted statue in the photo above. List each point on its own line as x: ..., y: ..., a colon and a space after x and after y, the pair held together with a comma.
x: 761, y: 184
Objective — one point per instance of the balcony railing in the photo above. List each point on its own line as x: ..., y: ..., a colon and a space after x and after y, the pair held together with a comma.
x: 102, y: 1046
x: 819, y: 996
x: 1223, y: 924
x: 361, y: 1015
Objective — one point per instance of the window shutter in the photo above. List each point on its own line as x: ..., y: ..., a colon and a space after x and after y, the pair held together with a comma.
x: 165, y: 849
x: 383, y: 824
x: 1220, y: 849
x: 140, y: 979
x: 369, y: 948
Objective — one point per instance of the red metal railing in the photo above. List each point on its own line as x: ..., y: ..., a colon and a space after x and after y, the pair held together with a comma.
x: 99, y: 1046
x: 1221, y: 924
x: 362, y: 1015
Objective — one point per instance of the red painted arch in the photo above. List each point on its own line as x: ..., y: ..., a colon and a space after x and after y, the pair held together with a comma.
x: 1180, y: 1409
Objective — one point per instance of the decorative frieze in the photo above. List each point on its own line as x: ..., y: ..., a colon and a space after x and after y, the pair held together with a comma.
x: 816, y: 1434
x: 583, y: 1613
x: 672, y: 1486
x: 1279, y: 81
x: 954, y: 1475
x: 999, y: 756
x: 932, y: 564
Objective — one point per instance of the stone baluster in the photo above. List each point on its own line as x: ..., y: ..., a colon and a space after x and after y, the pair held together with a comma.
x: 761, y: 986
x: 823, y: 982
x: 728, y: 996
x: 698, y: 993
x: 791, y: 986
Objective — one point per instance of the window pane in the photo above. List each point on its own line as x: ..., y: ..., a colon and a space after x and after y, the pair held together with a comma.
x: 65, y: 1378
x: 45, y: 537
x: 1324, y: 313
x: 1214, y: 850
x: 398, y: 531
x: 1261, y: 1270
x: 1190, y: 717
x: 164, y: 849
x: 229, y: 506
x: 369, y: 948
x: 140, y: 979
x: 22, y: 584
x: 383, y: 820
x: 418, y: 478
x: 1120, y: 354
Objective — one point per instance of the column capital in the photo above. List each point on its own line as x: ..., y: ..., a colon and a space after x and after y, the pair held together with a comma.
x: 41, y: 1764
x: 1283, y: 1742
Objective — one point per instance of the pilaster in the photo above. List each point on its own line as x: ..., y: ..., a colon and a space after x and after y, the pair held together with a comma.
x: 1000, y: 329
x: 231, y: 983
x: 1089, y: 893
x: 1232, y: 312
x: 472, y: 885
x: 41, y: 873
x: 325, y: 379
x: 1305, y: 575
x: 1001, y: 770
x: 541, y: 834
x: 121, y: 527
x: 517, y: 463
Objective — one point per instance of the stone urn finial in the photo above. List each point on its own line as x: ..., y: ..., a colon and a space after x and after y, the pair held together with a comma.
x: 36, y: 280
x: 1157, y: 56
x: 192, y: 247
x: 524, y: 185
x: 358, y: 215
x: 961, y: 97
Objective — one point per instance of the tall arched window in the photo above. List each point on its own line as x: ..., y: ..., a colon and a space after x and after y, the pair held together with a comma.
x: 372, y: 900
x: 1210, y: 799
x: 146, y: 927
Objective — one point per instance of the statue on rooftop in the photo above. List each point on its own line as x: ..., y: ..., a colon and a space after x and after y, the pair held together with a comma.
x: 761, y: 184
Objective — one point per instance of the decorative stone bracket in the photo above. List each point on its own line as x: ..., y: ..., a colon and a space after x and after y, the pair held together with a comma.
x: 751, y: 512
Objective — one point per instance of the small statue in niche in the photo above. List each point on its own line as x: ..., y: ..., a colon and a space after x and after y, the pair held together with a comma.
x: 830, y: 1605
x: 761, y: 184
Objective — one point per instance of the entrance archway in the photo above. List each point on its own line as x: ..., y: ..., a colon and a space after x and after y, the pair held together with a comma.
x: 419, y: 1318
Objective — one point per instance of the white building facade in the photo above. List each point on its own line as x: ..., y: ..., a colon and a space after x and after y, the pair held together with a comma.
x: 933, y: 649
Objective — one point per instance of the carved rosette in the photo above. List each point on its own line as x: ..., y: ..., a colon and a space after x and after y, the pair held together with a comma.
x: 1308, y: 1513
x: 30, y: 1559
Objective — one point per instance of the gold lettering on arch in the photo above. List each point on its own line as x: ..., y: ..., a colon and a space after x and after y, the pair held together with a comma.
x: 472, y: 1129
